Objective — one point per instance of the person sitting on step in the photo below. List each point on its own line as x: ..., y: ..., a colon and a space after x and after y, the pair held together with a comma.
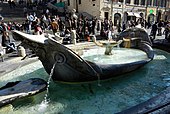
x: 7, y: 43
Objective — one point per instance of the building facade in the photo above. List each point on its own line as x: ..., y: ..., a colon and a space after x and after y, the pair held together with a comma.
x: 123, y: 10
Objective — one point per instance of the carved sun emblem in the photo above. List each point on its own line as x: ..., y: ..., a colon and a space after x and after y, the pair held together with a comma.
x: 60, y: 58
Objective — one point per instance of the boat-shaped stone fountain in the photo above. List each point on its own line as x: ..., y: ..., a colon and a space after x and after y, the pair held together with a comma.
x: 70, y: 67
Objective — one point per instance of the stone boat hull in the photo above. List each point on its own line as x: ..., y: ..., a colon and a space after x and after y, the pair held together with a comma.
x: 21, y: 89
x: 70, y: 67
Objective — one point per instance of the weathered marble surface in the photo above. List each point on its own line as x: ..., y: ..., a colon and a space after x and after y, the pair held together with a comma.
x: 19, y: 89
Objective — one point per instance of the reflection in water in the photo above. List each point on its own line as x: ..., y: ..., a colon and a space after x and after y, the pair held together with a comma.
x: 113, y: 96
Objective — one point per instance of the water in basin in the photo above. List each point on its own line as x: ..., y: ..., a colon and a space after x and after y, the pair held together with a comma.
x: 112, y: 96
x: 119, y: 55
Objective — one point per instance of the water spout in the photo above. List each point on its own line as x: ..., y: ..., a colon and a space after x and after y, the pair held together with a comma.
x: 45, y: 102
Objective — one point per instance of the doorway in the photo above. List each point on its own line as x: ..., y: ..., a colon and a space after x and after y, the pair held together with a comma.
x: 117, y: 18
x: 106, y: 15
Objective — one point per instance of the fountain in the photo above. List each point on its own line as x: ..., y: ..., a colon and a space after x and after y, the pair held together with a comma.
x: 103, y: 62
x: 71, y: 68
x: 107, y: 44
x: 112, y: 96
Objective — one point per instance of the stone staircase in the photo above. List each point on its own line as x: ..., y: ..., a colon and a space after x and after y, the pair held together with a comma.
x: 14, y: 14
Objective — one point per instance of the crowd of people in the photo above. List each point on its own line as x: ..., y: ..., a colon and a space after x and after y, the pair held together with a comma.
x: 86, y: 26
x: 156, y: 29
x: 83, y: 25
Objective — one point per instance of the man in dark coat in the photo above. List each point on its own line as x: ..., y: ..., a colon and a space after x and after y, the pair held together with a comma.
x: 154, y: 30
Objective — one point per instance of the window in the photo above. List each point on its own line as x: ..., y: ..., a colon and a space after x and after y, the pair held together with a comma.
x: 68, y: 2
x: 104, y: 0
x: 142, y: 2
x: 149, y: 2
x: 155, y: 2
x: 163, y: 3
x: 128, y: 1
x: 166, y: 2
x: 136, y: 2
x: 117, y: 19
x: 120, y: 0
x: 106, y: 15
x: 93, y: 0
x: 79, y: 1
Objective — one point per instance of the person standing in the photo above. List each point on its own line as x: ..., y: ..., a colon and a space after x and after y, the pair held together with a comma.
x: 160, y: 24
x: 167, y: 32
x: 10, y: 3
x: 123, y: 26
x: 118, y: 27
x: 154, y: 30
x: 68, y: 24
x: 86, y: 34
x: 54, y: 26
x: 30, y: 18
x: 37, y: 30
x: 98, y: 26
x: 93, y: 25
x: 80, y: 30
x: 1, y: 50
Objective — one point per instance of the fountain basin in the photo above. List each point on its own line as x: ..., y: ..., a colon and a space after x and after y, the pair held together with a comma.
x: 72, y: 68
x: 20, y: 89
x: 111, y: 97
